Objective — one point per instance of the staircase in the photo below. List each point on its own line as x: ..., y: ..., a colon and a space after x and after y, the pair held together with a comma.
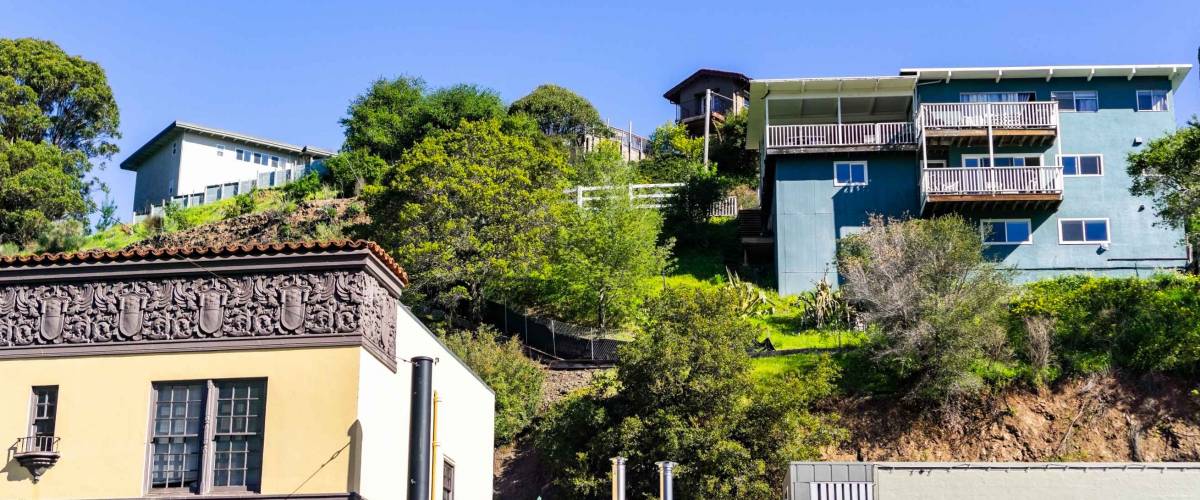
x: 756, y: 246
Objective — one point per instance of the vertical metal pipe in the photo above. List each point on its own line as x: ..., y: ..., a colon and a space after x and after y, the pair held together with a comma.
x: 618, y: 478
x: 420, y: 441
x: 666, y: 479
x: 707, y: 120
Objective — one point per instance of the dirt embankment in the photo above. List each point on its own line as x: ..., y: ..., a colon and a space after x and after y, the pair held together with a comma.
x: 263, y: 227
x: 1102, y: 418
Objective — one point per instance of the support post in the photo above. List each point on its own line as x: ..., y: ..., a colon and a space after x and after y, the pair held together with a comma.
x: 707, y: 121
x: 420, y: 441
x: 839, y: 119
x: 618, y: 478
x: 991, y: 149
x: 666, y: 479
x: 579, y: 195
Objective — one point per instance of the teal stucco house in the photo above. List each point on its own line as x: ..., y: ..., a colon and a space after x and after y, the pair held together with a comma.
x: 1035, y: 156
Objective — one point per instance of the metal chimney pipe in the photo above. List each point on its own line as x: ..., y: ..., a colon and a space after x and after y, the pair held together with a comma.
x: 420, y: 442
x: 666, y: 479
x: 618, y: 478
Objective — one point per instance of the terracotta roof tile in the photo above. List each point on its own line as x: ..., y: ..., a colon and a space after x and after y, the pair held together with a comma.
x: 173, y: 253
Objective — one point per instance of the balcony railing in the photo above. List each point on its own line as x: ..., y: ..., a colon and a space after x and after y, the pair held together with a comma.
x: 846, y: 134
x: 992, y: 180
x: 37, y: 454
x: 982, y: 114
x: 36, y: 444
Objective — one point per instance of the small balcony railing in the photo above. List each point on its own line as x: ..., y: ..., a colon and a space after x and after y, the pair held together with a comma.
x: 1008, y: 115
x: 846, y: 134
x: 37, y: 454
x: 992, y: 180
x: 36, y: 444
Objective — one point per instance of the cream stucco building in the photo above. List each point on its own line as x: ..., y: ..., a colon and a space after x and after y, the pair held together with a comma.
x: 264, y: 372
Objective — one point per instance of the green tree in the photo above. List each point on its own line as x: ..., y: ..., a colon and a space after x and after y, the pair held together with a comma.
x: 395, y: 114
x: 560, y: 112
x: 727, y: 149
x: 673, y: 155
x: 39, y: 183
x: 1168, y: 169
x: 350, y: 171
x: 468, y: 212
x: 603, y: 166
x: 516, y: 379
x: 108, y: 210
x: 682, y: 392
x: 935, y: 304
x: 602, y: 257
x: 47, y: 95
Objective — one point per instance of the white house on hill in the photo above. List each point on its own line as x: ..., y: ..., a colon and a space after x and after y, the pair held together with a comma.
x: 192, y: 164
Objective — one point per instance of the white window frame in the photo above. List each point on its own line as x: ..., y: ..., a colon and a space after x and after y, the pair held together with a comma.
x: 1075, y: 100
x: 963, y: 161
x: 220, y: 150
x: 1085, y: 220
x: 866, y: 173
x: 983, y: 236
x: 1137, y: 100
x: 1079, y: 165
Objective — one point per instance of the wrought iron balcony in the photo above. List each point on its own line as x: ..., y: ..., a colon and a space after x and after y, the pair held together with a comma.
x: 37, y: 454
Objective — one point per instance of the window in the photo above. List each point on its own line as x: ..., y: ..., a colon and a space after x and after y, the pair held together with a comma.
x: 44, y: 410
x: 1007, y: 160
x: 1082, y: 165
x: 1077, y: 100
x: 275, y: 161
x: 447, y: 480
x: 242, y: 155
x: 1151, y: 100
x: 220, y: 150
x: 1006, y: 231
x: 258, y: 158
x: 181, y: 430
x: 996, y: 97
x: 1082, y: 231
x: 850, y: 173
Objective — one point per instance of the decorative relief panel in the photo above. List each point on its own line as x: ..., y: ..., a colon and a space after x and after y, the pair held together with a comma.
x: 259, y: 305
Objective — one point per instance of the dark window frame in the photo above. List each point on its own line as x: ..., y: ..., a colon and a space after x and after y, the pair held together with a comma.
x: 447, y: 478
x: 43, y: 397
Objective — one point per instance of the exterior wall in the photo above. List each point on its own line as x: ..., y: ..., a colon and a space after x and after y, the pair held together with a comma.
x: 104, y: 411
x: 1094, y: 483
x: 464, y: 420
x: 1140, y: 245
x: 157, y: 178
x: 724, y: 86
x: 201, y: 167
x: 811, y: 214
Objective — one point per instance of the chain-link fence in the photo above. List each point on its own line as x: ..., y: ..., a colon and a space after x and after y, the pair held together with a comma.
x: 554, y: 338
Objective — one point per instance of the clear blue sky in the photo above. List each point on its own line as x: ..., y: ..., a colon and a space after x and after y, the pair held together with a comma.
x: 287, y: 70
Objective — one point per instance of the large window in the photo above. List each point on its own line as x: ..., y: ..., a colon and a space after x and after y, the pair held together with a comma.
x: 1005, y: 160
x: 997, y: 97
x: 1006, y: 231
x: 234, y: 432
x: 1077, y: 100
x: 1151, y: 100
x: 1082, y: 231
x: 1082, y: 165
x: 850, y: 173
x: 43, y: 411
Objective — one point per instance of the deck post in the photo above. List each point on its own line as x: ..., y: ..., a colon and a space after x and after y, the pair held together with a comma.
x: 707, y: 120
x: 991, y: 146
x: 839, y: 119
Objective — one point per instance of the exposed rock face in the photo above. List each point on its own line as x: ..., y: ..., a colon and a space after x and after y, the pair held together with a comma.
x: 1103, y: 418
x: 263, y: 227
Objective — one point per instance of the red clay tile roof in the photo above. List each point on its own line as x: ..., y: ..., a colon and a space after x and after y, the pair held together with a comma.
x: 172, y: 253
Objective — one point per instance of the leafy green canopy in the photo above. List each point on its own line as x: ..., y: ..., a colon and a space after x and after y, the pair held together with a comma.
x: 1169, y: 170
x: 934, y: 304
x: 682, y: 392
x: 351, y: 171
x: 57, y: 113
x: 393, y: 115
x: 516, y: 379
x: 560, y: 112
x: 468, y: 212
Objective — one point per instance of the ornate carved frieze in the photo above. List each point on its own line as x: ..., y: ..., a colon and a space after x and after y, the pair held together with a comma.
x: 253, y: 305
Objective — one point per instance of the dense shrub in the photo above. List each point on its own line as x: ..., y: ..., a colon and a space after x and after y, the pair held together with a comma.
x: 516, y: 379
x: 351, y: 171
x: 682, y: 392
x: 934, y: 305
x: 303, y: 188
x: 242, y: 204
x: 1150, y: 325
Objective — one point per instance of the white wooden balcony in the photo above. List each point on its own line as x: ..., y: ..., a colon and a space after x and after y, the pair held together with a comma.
x: 824, y: 137
x: 1004, y: 115
x: 1011, y: 187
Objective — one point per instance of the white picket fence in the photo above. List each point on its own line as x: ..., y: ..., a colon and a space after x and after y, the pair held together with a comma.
x: 647, y: 196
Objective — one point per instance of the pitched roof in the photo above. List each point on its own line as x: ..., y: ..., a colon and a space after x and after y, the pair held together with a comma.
x: 187, y: 253
x: 178, y: 127
x: 673, y: 94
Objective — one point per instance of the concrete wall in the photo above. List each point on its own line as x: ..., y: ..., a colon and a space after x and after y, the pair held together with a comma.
x: 811, y: 214
x: 104, y: 410
x: 157, y: 178
x: 465, y: 413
